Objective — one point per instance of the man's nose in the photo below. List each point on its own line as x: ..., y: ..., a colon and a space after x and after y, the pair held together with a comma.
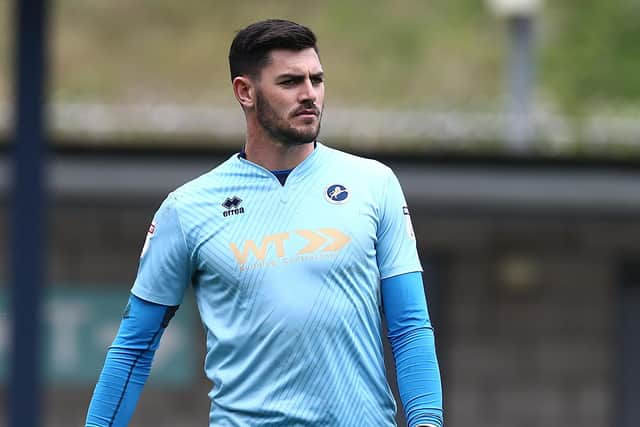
x: 308, y: 92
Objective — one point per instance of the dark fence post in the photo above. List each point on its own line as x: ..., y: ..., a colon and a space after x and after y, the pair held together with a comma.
x: 28, y: 212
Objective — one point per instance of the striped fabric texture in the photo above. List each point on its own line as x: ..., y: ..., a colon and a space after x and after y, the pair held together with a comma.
x: 287, y: 283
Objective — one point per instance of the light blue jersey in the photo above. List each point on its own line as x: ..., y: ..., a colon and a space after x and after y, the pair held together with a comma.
x: 287, y: 282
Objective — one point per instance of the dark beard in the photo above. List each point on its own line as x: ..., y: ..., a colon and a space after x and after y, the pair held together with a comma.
x: 279, y: 128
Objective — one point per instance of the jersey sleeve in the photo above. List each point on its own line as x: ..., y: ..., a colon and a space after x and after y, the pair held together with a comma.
x: 165, y: 265
x: 413, y: 345
x: 128, y: 363
x: 396, y: 242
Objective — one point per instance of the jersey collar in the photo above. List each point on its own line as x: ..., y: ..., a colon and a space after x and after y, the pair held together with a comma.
x: 300, y: 171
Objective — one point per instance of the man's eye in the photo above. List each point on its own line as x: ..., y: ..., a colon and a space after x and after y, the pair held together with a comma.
x: 287, y: 82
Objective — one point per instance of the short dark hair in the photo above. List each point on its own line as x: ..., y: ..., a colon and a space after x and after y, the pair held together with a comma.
x: 251, y: 48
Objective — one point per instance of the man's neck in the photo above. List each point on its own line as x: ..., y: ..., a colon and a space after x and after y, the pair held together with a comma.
x: 277, y: 156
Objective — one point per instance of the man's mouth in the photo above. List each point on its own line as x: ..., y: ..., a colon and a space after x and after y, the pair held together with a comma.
x: 307, y: 112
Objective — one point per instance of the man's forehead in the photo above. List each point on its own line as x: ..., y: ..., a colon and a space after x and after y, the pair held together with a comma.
x: 291, y: 61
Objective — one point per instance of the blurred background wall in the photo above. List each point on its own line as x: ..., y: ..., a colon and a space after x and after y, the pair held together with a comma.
x: 524, y: 185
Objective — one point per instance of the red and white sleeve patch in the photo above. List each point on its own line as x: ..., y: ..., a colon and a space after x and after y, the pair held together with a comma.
x: 409, y: 224
x: 147, y: 240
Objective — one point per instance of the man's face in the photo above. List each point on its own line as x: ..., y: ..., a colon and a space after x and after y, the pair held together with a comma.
x: 290, y: 96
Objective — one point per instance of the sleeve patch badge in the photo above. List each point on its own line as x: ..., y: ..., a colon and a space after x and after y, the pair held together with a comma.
x: 147, y: 240
x: 409, y: 225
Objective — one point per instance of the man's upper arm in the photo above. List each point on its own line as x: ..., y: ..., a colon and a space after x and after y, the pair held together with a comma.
x: 165, y: 263
x: 396, y: 243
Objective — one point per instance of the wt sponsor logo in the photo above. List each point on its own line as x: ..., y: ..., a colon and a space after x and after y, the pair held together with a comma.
x: 288, y: 244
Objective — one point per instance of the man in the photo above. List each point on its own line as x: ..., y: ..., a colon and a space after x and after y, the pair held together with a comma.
x: 291, y: 248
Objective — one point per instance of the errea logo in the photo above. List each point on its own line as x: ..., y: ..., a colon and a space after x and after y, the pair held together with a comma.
x: 232, y: 206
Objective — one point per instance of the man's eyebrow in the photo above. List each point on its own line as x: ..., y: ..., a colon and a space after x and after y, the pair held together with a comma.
x: 290, y: 76
x: 295, y: 76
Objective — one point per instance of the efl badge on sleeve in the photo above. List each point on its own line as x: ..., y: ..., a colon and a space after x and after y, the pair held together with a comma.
x: 409, y: 225
x: 147, y: 240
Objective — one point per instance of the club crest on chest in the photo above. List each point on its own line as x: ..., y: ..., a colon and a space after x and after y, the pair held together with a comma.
x: 337, y: 194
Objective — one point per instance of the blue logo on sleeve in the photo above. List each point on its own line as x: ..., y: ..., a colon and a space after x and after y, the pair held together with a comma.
x: 337, y: 193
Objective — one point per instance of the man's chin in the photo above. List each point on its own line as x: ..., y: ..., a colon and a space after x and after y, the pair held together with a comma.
x: 306, y: 134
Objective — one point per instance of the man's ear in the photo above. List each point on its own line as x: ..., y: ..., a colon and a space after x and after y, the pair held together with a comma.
x: 244, y: 91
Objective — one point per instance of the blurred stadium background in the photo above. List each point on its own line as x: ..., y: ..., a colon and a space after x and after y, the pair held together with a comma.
x: 518, y: 150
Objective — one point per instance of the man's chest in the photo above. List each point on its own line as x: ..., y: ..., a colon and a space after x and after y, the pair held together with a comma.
x: 295, y: 253
x: 310, y: 226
